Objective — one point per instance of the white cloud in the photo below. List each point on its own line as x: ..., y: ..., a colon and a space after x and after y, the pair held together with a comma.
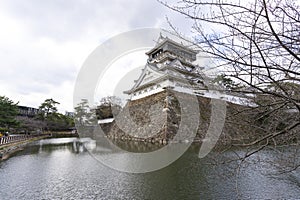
x: 44, y: 43
x: 118, y: 78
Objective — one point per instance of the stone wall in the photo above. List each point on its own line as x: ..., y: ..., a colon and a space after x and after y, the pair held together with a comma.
x: 143, y: 118
x: 157, y: 118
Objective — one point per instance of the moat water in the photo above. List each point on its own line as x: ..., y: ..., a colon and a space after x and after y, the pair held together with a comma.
x: 63, y: 169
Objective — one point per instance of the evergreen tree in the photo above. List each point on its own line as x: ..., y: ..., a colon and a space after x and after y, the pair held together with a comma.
x: 8, y: 112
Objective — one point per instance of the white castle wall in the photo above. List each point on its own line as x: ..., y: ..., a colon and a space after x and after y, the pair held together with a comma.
x: 214, y: 94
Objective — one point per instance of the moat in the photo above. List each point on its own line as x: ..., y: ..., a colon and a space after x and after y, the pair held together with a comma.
x: 63, y: 169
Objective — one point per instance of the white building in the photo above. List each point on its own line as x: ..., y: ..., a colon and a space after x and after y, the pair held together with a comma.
x: 170, y: 65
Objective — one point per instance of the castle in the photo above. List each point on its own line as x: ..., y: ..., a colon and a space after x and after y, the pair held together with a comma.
x: 169, y: 65
x: 169, y: 70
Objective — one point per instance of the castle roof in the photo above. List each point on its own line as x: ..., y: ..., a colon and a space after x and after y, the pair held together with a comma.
x: 169, y: 63
x: 166, y: 44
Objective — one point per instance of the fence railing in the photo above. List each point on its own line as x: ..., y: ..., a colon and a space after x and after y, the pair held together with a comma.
x: 17, y: 138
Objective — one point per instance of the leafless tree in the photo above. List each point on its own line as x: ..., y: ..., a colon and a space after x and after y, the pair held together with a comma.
x: 257, y: 44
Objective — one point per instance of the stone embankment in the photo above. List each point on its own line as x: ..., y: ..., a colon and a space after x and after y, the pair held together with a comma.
x: 63, y: 134
x: 157, y: 119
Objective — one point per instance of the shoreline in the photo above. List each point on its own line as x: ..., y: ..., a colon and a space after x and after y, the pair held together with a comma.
x: 8, y: 149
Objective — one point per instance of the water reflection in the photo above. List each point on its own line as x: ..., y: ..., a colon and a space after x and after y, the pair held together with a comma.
x: 137, y: 146
x: 75, y: 145
x: 63, y: 169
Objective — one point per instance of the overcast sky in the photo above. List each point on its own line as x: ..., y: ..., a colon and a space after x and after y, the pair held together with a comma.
x: 44, y: 43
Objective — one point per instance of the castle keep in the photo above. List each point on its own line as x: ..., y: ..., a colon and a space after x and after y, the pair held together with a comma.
x: 153, y: 112
x: 169, y: 65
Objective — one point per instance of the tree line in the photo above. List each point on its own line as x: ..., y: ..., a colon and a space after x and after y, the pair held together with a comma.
x: 47, y: 119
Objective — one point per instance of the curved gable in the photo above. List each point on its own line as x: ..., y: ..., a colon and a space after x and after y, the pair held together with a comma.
x: 149, y: 74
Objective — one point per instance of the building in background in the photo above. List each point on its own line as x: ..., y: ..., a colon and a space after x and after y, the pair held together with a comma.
x: 26, y: 111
